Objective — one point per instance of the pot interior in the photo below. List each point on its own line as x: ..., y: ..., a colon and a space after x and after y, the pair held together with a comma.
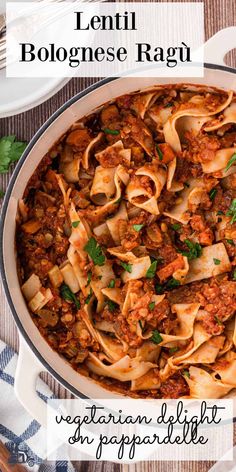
x: 73, y: 110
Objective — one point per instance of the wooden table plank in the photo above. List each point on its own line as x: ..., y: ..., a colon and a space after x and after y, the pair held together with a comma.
x: 218, y: 14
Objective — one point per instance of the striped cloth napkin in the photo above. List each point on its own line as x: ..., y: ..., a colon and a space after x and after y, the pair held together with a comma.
x: 22, y: 435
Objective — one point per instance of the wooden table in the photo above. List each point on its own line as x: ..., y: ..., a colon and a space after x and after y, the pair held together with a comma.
x: 218, y: 14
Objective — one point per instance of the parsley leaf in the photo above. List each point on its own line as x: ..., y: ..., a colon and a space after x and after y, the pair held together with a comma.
x: 152, y: 270
x: 176, y: 226
x: 118, y: 200
x: 89, y: 278
x: 231, y: 162
x: 219, y: 322
x: 127, y: 267
x: 140, y: 324
x: 10, y: 151
x: 230, y: 241
x: 75, y: 224
x: 159, y: 152
x: 212, y: 193
x: 172, y: 350
x: 159, y: 289
x: 95, y: 252
x: 68, y: 295
x: 137, y: 227
x: 234, y: 275
x: 151, y: 306
x: 216, y: 261
x: 186, y: 373
x: 232, y: 211
x: 156, y: 337
x: 195, y: 250
x: 111, y: 283
x: 111, y: 305
x: 172, y: 283
x: 89, y: 297
x: 115, y: 132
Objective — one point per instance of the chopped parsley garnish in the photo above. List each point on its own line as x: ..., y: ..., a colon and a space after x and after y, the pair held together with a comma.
x: 220, y: 212
x: 232, y: 211
x: 234, y: 275
x: 127, y: 267
x: 230, y: 241
x: 231, y: 162
x: 152, y: 270
x: 69, y: 296
x: 176, y: 226
x: 216, y: 261
x: 87, y: 300
x: 151, y: 306
x: 168, y: 105
x: 186, y: 373
x: 172, y: 350
x: 111, y: 305
x: 89, y: 278
x: 172, y: 283
x: 137, y: 227
x: 159, y: 289
x: 195, y: 250
x: 159, y: 152
x: 95, y: 252
x: 75, y: 224
x: 186, y: 184
x: 118, y: 201
x: 111, y: 283
x: 156, y: 337
x: 212, y: 193
x: 140, y: 324
x: 115, y: 132
x: 218, y: 321
x: 10, y: 151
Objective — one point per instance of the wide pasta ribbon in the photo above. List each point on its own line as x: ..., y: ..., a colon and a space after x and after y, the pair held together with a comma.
x: 226, y: 368
x: 142, y: 197
x: 141, y: 102
x: 227, y: 117
x: 186, y: 314
x: 205, y: 266
x: 125, y: 369
x: 203, y: 385
x: 112, y: 348
x: 80, y: 232
x: 87, y: 153
x: 181, y: 211
x: 194, y: 110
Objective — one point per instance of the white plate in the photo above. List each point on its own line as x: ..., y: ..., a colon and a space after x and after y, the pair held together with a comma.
x: 19, y: 95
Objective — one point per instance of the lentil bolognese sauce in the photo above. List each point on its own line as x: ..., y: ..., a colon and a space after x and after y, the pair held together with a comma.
x: 126, y: 242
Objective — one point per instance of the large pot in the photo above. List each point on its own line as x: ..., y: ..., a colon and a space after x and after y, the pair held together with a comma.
x: 35, y: 354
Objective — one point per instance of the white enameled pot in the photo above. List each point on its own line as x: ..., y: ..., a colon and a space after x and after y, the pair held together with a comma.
x: 35, y: 354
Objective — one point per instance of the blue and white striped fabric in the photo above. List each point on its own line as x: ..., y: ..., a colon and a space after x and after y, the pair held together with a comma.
x: 21, y: 434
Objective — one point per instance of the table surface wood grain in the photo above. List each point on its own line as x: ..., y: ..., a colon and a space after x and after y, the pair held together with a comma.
x: 218, y: 14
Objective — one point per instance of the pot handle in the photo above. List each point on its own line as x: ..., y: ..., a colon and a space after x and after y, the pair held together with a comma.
x: 219, y: 44
x: 27, y: 372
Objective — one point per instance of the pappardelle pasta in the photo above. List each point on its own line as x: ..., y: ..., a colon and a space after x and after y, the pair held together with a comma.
x: 126, y: 243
